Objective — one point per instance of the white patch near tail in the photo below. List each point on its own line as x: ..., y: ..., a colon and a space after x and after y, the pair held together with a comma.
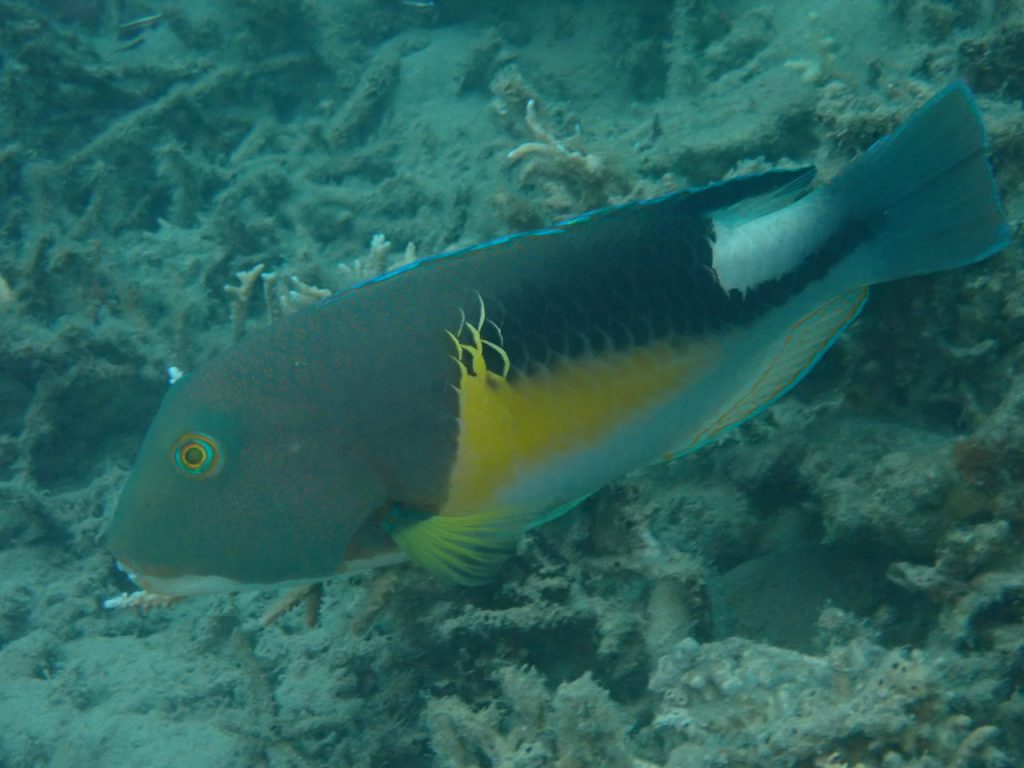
x: 749, y: 253
x: 920, y: 200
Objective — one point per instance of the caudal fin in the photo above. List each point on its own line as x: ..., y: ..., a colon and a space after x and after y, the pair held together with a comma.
x: 927, y: 194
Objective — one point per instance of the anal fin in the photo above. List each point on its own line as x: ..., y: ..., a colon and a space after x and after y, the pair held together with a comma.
x: 794, y: 356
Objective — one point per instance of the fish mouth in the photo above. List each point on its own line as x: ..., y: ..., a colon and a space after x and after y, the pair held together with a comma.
x: 148, y: 584
x: 143, y: 599
x: 128, y: 571
x: 181, y: 585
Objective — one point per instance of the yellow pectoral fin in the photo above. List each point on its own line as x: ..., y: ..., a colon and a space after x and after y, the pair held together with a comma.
x: 467, y: 549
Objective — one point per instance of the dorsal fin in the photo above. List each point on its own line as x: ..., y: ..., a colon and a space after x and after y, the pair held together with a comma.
x: 757, y: 205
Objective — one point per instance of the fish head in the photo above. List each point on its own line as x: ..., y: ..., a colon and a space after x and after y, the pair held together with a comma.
x: 236, y: 486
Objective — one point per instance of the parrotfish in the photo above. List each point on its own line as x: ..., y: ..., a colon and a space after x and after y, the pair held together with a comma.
x: 440, y: 411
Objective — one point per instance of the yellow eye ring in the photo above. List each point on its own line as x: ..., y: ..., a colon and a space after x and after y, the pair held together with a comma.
x: 196, y: 454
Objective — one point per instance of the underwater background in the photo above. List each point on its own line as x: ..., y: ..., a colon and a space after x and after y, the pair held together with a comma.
x: 840, y: 582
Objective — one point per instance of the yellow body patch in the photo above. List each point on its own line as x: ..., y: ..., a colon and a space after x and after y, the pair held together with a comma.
x: 507, y: 427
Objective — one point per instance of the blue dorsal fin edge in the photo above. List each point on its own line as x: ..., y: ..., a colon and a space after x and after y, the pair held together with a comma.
x: 776, y: 187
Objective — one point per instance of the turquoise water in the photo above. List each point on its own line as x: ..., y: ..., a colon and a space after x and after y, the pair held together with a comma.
x: 839, y: 582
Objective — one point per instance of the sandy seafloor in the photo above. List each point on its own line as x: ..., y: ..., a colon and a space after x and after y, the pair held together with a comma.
x: 838, y: 583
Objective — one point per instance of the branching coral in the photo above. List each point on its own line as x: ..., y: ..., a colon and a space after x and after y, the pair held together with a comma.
x: 241, y: 296
x: 575, y: 726
x: 284, y: 296
x: 571, y: 177
x: 376, y: 262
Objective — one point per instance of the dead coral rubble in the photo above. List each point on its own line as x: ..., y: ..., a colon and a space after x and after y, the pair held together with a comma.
x: 265, y: 155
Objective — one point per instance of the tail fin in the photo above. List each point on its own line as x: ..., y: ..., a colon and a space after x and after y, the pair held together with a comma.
x: 927, y: 192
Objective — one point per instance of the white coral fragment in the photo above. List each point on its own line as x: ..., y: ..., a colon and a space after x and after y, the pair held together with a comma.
x: 547, y: 144
x: 141, y: 599
x: 377, y: 262
x: 241, y: 295
x: 301, y: 295
x: 380, y: 248
x: 570, y: 177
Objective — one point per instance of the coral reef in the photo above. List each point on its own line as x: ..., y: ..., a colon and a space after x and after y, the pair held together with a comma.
x: 837, y: 583
x: 575, y: 725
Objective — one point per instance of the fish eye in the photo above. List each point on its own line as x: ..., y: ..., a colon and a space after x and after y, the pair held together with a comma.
x: 196, y: 454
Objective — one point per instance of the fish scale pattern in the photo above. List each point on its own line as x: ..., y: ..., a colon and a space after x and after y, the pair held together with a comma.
x: 640, y: 273
x: 617, y: 287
